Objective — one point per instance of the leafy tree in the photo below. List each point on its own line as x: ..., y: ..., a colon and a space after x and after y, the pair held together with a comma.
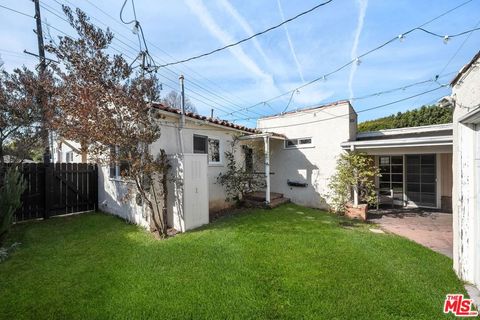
x: 102, y: 102
x: 11, y: 190
x: 354, y: 171
x: 426, y: 115
x: 174, y: 100
x: 20, y: 115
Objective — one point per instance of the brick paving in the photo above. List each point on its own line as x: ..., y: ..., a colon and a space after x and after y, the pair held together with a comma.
x: 430, y: 229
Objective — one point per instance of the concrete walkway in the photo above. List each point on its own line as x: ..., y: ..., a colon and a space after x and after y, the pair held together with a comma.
x: 430, y: 229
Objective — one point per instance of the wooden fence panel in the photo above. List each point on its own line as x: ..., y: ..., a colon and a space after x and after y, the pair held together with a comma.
x: 57, y: 189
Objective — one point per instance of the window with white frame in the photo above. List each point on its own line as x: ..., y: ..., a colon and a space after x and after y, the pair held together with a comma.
x: 213, y: 150
x: 209, y: 146
x: 69, y: 157
x: 119, y: 163
x: 298, y: 143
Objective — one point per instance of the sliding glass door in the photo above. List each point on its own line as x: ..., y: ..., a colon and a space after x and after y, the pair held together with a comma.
x: 391, y: 179
x: 421, y: 179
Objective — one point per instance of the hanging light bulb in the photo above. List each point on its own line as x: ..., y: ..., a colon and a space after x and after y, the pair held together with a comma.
x: 136, y: 28
x: 446, y: 38
x: 401, y: 37
x: 297, y: 91
x: 324, y: 78
x: 358, y: 61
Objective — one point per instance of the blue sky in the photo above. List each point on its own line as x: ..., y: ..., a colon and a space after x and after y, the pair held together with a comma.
x: 281, y: 60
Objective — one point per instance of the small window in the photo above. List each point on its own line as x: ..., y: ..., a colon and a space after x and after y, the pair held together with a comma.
x: 213, y: 150
x: 119, y: 164
x: 113, y: 165
x: 69, y: 157
x: 291, y: 143
x: 298, y: 143
x: 200, y: 144
x: 248, y: 158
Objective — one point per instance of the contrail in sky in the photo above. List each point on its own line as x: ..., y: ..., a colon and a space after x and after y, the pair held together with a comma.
x: 353, y: 54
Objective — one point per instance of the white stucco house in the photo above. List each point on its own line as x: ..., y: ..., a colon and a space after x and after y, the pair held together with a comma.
x: 298, y: 152
x: 66, y: 151
x: 466, y: 170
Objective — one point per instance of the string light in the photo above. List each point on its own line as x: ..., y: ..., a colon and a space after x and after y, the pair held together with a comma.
x: 401, y: 37
x: 358, y: 61
x: 136, y: 29
x: 446, y: 38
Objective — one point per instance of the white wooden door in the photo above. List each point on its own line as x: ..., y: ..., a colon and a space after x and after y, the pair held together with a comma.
x: 196, y: 190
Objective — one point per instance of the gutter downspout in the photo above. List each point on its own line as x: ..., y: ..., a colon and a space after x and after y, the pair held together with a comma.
x: 266, y: 141
x: 182, y: 119
x: 182, y: 151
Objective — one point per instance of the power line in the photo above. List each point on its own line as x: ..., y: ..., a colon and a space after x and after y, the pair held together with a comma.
x: 16, y: 11
x: 119, y: 51
x: 457, y: 51
x: 247, y: 38
x: 167, y: 69
x: 357, y: 60
x: 370, y: 95
x: 360, y: 111
x: 214, y: 84
x: 219, y: 107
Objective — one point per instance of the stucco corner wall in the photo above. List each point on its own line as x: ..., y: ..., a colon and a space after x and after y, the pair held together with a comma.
x: 466, y: 185
x: 111, y: 199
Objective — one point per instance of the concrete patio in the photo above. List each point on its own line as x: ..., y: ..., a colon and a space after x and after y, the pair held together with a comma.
x: 430, y: 229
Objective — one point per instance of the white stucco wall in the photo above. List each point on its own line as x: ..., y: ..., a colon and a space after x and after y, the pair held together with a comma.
x: 112, y: 191
x: 59, y: 153
x: 466, y: 185
x: 314, y: 164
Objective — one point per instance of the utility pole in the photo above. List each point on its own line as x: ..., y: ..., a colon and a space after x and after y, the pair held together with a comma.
x: 41, y: 98
x: 182, y: 92
x: 42, y: 102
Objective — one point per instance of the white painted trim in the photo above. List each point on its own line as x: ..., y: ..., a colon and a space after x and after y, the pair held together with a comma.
x: 261, y: 136
x: 299, y: 146
x: 403, y: 142
x: 438, y: 179
x: 472, y: 117
x: 220, y: 150
x: 399, y: 131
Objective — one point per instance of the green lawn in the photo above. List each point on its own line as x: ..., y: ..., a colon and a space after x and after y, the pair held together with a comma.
x: 289, y: 262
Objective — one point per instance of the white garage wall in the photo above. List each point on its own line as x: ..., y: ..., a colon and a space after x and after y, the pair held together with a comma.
x: 466, y: 215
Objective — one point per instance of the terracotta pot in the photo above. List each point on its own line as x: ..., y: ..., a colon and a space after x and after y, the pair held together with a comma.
x: 357, y: 212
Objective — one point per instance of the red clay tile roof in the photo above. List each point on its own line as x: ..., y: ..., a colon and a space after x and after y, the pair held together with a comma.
x: 193, y: 115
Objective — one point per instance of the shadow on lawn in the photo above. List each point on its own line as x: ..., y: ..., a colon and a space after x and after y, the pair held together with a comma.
x: 289, y: 219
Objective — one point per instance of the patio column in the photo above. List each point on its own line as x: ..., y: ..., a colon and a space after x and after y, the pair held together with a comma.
x: 266, y: 141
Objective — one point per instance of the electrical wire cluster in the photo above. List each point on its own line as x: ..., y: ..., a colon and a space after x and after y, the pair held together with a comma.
x: 231, y: 105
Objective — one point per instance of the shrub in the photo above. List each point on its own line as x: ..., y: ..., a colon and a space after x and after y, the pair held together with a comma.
x: 10, y: 193
x: 237, y: 180
x: 354, y: 170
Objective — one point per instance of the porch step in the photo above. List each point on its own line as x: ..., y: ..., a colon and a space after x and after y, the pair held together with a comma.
x: 278, y: 201
x: 260, y: 196
x: 257, y: 199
